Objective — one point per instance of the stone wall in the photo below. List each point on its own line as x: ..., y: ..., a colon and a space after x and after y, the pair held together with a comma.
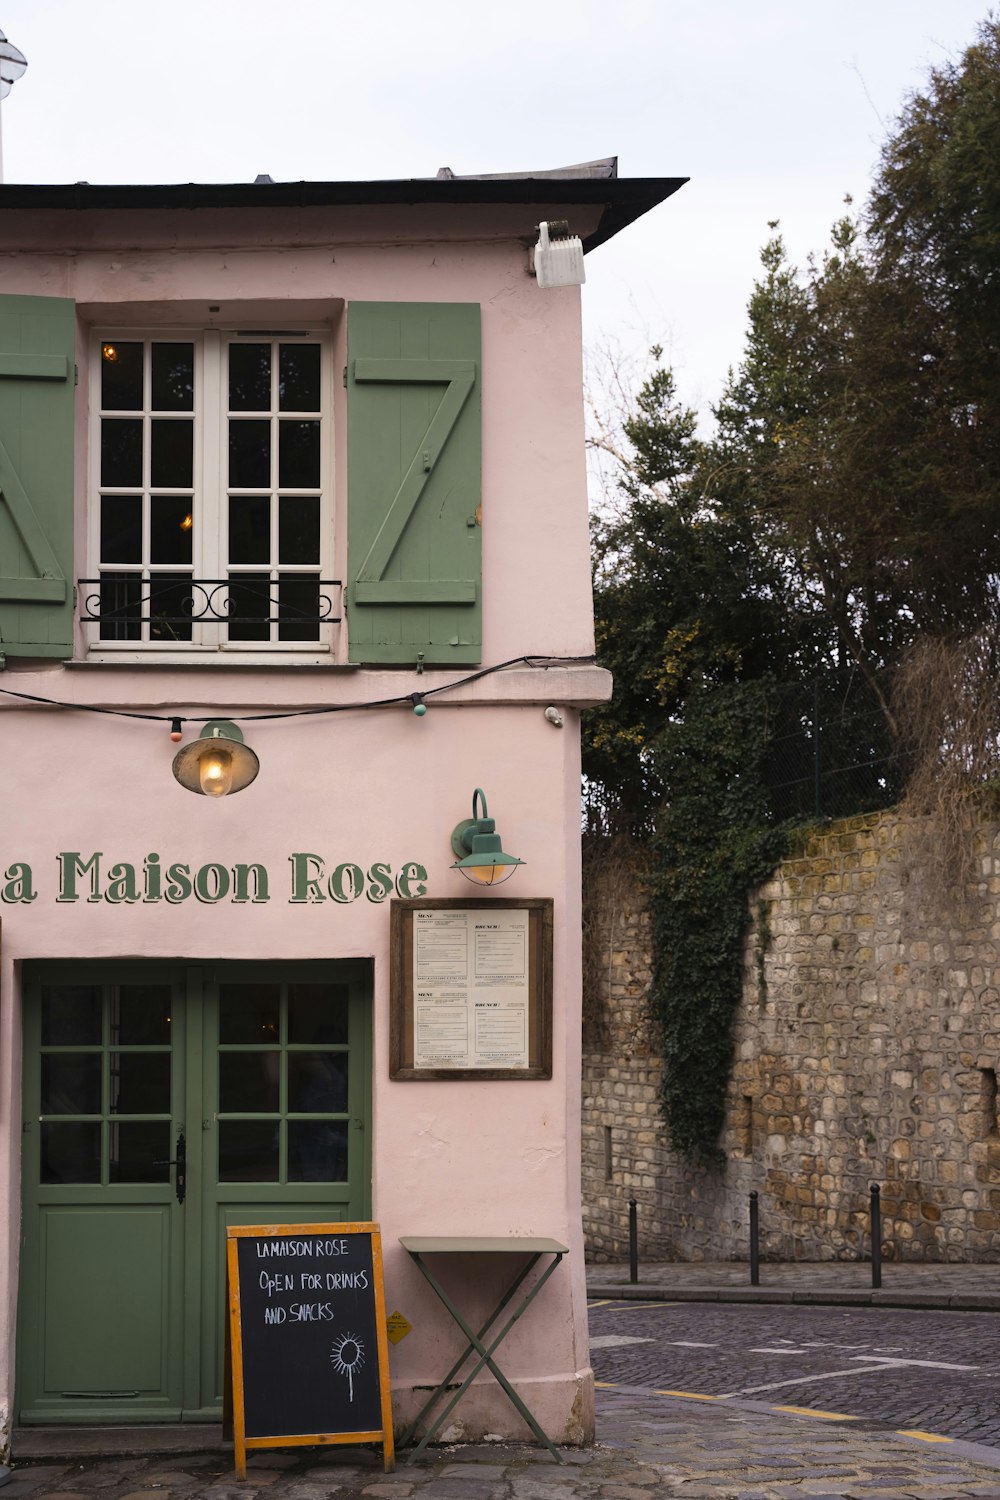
x: 866, y: 1050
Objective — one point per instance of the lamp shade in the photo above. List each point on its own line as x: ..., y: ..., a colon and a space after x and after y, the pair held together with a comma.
x: 482, y: 859
x: 217, y: 763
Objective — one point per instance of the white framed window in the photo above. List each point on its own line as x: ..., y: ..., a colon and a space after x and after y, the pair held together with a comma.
x: 211, y: 511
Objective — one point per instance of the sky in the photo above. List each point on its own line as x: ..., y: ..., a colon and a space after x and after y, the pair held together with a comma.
x: 775, y: 109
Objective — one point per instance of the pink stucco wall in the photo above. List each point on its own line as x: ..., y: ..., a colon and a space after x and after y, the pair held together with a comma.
x: 448, y: 1158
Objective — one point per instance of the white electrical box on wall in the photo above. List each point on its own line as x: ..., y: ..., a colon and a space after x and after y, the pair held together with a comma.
x: 558, y: 256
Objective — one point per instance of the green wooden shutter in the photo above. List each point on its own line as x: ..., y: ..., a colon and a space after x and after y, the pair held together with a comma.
x: 37, y: 342
x: 414, y: 556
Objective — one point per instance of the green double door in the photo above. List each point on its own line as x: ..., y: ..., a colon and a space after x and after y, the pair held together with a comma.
x: 161, y: 1104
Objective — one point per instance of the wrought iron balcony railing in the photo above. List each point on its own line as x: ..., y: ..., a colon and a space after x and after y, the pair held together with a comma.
x: 127, y: 606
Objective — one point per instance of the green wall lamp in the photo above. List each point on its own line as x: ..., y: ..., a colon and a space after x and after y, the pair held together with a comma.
x: 217, y: 762
x: 477, y: 844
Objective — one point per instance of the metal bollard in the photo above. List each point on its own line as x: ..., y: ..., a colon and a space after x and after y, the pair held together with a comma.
x: 876, y: 1213
x: 633, y: 1242
x: 754, y: 1241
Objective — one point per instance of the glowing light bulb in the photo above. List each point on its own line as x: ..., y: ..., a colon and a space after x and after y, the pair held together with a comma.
x: 488, y: 874
x: 215, y: 773
x: 110, y: 353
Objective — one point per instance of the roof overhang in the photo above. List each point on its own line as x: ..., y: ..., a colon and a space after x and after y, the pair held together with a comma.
x: 619, y: 200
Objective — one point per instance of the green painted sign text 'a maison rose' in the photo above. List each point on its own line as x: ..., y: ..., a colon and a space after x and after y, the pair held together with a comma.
x: 310, y: 878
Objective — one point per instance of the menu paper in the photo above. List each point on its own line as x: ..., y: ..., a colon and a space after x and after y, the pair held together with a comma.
x: 470, y: 988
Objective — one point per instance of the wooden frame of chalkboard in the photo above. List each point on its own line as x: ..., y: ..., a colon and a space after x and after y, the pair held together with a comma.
x: 404, y: 1066
x: 308, y: 1351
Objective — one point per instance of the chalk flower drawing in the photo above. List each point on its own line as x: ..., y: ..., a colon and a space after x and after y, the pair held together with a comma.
x: 348, y: 1355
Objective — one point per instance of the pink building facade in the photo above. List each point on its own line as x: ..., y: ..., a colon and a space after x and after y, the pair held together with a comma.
x: 308, y: 460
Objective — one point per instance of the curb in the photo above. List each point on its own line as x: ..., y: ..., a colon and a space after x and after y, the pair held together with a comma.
x: 925, y: 1301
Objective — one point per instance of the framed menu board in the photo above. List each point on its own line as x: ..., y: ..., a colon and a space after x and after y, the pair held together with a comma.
x: 471, y: 989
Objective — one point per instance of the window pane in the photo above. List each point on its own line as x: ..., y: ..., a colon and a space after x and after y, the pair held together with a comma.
x: 173, y: 377
x: 71, y: 1015
x: 317, y: 1151
x: 140, y: 1014
x: 70, y: 1151
x: 317, y: 1013
x: 121, y: 528
x: 317, y: 1083
x: 119, y: 605
x: 249, y: 528
x: 71, y: 1083
x: 121, y: 451
x: 134, y: 1148
x: 249, y: 602
x: 248, y: 1012
x: 249, y: 377
x: 298, y: 529
x: 248, y: 1151
x: 170, y: 607
x: 171, y: 528
x: 248, y: 1082
x: 250, y: 455
x: 140, y: 1083
x: 298, y: 377
x: 121, y: 377
x: 298, y: 609
x: 298, y: 455
x: 172, y: 457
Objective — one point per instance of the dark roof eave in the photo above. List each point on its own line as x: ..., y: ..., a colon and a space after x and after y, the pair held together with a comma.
x: 624, y: 199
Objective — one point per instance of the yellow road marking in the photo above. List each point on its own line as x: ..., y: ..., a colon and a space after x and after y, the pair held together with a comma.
x: 925, y: 1437
x: 688, y: 1395
x: 810, y: 1411
x: 604, y: 1385
x: 599, y: 1304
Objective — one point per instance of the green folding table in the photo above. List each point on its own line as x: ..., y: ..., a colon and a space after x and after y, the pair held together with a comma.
x: 468, y: 1247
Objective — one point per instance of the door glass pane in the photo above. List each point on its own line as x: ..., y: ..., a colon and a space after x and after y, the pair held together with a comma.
x: 172, y: 455
x: 121, y: 528
x: 298, y: 609
x: 249, y: 377
x: 134, y: 1149
x: 298, y: 455
x: 249, y: 528
x: 250, y: 455
x: 317, y: 1013
x: 140, y: 1014
x: 170, y: 606
x: 249, y: 1082
x: 298, y: 529
x: 317, y: 1082
x: 171, y: 529
x: 298, y: 377
x: 119, y: 601
x: 71, y: 1015
x: 121, y: 376
x: 70, y: 1151
x: 248, y: 1151
x: 173, y: 377
x: 140, y: 1083
x: 317, y: 1150
x: 71, y: 1083
x: 121, y: 451
x: 248, y: 1012
x: 249, y: 606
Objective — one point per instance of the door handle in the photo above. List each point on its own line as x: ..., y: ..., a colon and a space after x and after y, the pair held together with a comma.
x: 180, y: 1162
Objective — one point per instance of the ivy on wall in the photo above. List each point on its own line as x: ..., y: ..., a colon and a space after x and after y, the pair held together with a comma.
x: 715, y: 841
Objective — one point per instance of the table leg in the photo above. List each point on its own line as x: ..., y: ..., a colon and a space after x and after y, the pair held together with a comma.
x: 442, y: 1386
x: 475, y: 1342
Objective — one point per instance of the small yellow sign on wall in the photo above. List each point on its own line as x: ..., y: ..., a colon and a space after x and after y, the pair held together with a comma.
x: 397, y: 1327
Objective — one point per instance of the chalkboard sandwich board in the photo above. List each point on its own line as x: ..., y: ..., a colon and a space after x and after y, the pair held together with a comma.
x: 309, y: 1353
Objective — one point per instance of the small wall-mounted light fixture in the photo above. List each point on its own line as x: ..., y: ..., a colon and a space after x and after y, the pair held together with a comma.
x: 557, y: 259
x: 477, y: 844
x: 217, y: 762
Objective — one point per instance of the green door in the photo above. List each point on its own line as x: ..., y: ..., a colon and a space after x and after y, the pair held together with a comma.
x: 162, y: 1103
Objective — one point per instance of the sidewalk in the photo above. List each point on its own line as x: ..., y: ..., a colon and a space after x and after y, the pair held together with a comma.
x: 651, y: 1445
x: 913, y: 1284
